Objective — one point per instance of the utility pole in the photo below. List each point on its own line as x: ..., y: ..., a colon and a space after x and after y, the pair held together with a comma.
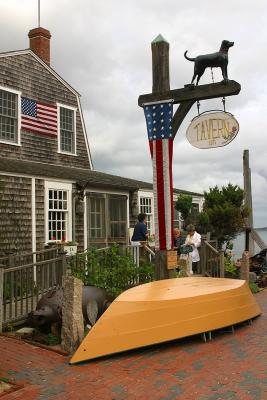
x: 249, y: 242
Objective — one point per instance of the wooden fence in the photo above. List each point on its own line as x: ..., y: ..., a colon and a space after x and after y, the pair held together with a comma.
x: 211, y: 260
x: 21, y: 286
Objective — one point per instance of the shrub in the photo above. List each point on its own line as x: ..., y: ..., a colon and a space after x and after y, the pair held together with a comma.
x: 110, y: 270
x: 254, y: 287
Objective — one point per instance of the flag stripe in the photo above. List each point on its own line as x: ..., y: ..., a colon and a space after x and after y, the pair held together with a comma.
x: 31, y: 120
x: 45, y: 116
x: 155, y: 195
x: 167, y: 197
x: 160, y: 195
x: 37, y: 128
x: 39, y: 131
x: 171, y: 189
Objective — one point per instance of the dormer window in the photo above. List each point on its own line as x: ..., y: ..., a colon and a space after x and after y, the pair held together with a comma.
x: 67, y: 129
x: 9, y: 116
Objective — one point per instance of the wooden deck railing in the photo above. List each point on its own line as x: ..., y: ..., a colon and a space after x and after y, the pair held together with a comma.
x: 211, y: 260
x: 21, y: 286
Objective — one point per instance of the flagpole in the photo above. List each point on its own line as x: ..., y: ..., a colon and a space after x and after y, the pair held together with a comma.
x: 39, y: 17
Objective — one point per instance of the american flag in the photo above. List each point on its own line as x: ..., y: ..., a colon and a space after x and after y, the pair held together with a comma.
x: 38, y: 117
x: 158, y: 119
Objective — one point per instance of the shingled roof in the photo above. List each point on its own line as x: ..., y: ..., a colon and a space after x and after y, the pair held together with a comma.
x: 83, y: 177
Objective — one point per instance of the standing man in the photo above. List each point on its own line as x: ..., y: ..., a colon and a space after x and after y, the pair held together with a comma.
x: 193, y: 239
x: 140, y: 233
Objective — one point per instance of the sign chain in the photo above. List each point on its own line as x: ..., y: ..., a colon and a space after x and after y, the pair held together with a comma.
x: 223, y: 101
x: 198, y: 106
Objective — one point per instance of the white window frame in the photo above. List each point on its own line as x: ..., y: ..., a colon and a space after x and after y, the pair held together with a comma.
x: 146, y: 194
x: 18, y: 93
x: 52, y: 185
x: 74, y: 109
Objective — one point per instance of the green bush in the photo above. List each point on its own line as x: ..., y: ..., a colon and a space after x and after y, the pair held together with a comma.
x: 231, y: 270
x: 110, y: 270
x: 52, y: 339
x: 254, y: 287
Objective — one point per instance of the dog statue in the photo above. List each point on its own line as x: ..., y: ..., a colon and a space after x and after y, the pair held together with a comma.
x: 219, y: 59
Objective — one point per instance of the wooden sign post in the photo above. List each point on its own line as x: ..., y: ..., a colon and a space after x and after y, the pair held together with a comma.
x: 185, y: 97
x: 249, y: 242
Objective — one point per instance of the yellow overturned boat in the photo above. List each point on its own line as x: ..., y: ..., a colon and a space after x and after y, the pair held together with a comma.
x: 164, y: 310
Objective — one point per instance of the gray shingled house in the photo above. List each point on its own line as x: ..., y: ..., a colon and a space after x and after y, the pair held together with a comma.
x: 48, y: 188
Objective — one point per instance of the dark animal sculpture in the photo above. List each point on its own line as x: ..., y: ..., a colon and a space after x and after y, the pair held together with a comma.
x: 219, y: 59
x: 48, y: 313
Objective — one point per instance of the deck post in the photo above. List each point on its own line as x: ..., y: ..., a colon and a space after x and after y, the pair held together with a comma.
x: 161, y: 265
x: 1, y: 296
x: 221, y: 261
x: 72, y: 331
x: 244, y: 268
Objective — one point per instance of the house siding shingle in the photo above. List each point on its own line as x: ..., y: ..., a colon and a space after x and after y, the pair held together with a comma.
x: 15, y: 215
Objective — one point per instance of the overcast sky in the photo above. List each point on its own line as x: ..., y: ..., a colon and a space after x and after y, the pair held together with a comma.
x: 102, y: 48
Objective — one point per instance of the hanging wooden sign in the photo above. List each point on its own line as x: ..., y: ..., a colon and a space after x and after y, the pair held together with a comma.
x: 212, y: 129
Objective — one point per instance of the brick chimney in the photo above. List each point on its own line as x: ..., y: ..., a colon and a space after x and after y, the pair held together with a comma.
x: 40, y: 43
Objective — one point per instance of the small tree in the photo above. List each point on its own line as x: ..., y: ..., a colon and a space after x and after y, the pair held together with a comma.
x: 184, y: 206
x: 224, y: 212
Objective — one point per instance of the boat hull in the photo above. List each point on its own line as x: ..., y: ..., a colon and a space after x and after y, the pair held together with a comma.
x: 165, y: 310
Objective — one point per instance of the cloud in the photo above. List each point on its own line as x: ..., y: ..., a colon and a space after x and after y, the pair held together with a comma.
x: 102, y: 48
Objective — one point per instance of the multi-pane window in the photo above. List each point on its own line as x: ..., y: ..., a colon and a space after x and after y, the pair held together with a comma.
x: 107, y: 219
x: 145, y: 206
x: 8, y: 116
x: 96, y: 217
x: 57, y: 214
x: 67, y: 130
x: 118, y: 216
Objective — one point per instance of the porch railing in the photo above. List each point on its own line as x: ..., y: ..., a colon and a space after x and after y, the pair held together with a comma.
x: 211, y: 260
x: 21, y: 286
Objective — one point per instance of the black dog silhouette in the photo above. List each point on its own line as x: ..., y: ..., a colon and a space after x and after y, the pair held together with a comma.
x: 219, y: 59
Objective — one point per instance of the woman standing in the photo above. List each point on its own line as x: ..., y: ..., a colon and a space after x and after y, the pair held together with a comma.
x: 193, y: 239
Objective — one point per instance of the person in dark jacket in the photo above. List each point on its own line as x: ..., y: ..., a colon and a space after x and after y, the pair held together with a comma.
x: 140, y: 233
x: 178, y: 240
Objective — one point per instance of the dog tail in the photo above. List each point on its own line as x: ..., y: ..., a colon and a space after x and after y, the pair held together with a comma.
x: 188, y: 58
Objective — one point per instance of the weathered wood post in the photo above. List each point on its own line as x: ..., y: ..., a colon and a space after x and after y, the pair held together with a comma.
x: 1, y: 296
x: 244, y: 268
x: 249, y: 242
x: 72, y: 331
x: 221, y: 261
x: 163, y: 231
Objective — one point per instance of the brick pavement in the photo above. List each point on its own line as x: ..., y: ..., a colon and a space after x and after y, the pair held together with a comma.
x: 231, y: 366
